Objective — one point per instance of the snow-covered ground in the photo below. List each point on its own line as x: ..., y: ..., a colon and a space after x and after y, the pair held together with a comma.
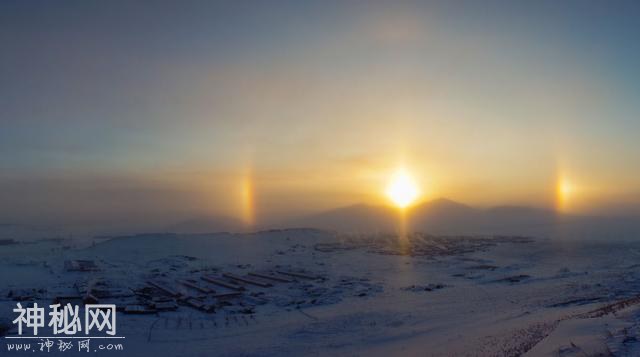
x: 358, y: 295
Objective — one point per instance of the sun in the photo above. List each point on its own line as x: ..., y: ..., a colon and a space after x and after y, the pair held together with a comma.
x: 402, y: 189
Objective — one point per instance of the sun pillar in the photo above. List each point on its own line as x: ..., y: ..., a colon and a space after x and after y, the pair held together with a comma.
x: 402, y: 191
x: 403, y: 234
x: 247, y: 196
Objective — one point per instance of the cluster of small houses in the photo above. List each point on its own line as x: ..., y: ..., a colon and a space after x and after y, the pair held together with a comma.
x: 203, y: 292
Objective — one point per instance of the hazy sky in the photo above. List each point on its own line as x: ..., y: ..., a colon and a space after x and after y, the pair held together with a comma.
x: 112, y: 109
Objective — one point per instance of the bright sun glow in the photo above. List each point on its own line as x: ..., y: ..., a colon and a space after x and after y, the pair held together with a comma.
x: 565, y: 188
x: 402, y: 190
x: 565, y: 191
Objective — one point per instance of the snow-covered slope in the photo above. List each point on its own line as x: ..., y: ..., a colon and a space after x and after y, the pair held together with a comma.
x: 367, y: 295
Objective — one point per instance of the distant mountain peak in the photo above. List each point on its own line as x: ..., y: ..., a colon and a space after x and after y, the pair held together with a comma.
x: 443, y: 201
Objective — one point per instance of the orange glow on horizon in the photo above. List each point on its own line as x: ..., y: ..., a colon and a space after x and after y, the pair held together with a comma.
x: 248, y: 201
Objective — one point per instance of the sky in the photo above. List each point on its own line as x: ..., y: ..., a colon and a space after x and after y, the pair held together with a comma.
x: 158, y: 111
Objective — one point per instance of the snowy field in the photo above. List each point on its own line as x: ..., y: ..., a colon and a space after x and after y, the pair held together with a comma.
x: 310, y: 292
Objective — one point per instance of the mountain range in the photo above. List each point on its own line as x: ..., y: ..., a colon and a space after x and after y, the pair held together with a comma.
x: 440, y: 217
x: 447, y: 217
